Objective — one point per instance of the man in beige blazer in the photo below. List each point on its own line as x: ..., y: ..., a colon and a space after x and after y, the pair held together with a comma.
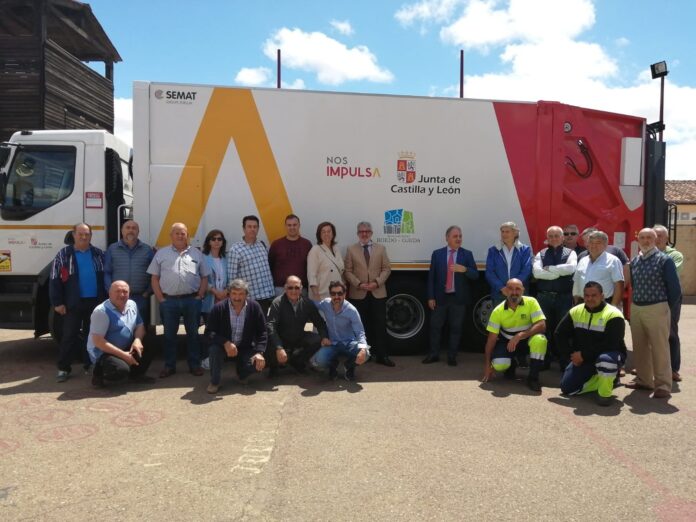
x: 367, y: 268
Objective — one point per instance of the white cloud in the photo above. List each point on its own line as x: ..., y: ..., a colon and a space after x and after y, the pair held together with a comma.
x: 123, y: 120
x: 427, y: 11
x: 332, y: 61
x: 622, y: 42
x: 548, y: 60
x: 253, y: 77
x: 343, y: 27
x: 297, y: 84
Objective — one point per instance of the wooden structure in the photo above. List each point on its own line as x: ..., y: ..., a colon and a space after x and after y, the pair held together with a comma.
x: 44, y: 83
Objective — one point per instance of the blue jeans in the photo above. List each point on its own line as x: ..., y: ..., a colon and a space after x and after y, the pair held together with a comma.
x: 171, y: 309
x: 143, y: 304
x: 327, y: 356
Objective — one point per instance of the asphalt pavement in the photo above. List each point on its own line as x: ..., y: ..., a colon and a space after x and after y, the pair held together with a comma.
x: 413, y: 442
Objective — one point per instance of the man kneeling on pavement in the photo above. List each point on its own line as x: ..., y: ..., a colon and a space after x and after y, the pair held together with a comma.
x: 345, y: 331
x: 516, y: 327
x: 115, y: 341
x: 236, y: 329
x: 591, y: 335
x: 289, y: 341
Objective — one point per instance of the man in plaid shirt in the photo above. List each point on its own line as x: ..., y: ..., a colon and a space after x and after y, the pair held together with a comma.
x: 248, y: 260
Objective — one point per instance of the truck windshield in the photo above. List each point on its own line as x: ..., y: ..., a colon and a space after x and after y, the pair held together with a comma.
x: 39, y: 177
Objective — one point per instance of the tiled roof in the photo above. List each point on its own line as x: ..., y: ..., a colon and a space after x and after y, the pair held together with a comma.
x: 680, y: 191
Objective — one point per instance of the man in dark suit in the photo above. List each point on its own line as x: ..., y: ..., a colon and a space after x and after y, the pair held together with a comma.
x: 452, y: 269
x: 367, y: 269
x: 236, y: 328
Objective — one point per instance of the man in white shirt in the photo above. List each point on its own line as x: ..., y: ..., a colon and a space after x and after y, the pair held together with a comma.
x: 601, y: 267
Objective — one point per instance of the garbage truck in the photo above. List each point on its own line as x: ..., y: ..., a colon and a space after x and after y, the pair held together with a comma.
x: 411, y: 166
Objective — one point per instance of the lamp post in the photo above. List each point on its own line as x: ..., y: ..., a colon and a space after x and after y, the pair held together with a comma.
x: 659, y: 70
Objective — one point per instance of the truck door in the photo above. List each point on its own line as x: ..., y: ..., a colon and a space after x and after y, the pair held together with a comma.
x: 41, y: 201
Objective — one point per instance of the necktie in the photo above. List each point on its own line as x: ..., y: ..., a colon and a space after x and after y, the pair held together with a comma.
x: 366, y: 251
x: 449, y: 285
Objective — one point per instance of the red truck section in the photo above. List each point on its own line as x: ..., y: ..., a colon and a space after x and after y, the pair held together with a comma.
x: 541, y: 140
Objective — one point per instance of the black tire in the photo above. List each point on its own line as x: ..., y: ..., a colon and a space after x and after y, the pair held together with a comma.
x: 407, y: 316
x: 475, y: 327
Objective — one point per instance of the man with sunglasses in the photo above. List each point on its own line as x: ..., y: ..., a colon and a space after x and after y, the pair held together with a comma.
x: 571, y: 233
x: 346, y: 333
x: 291, y: 321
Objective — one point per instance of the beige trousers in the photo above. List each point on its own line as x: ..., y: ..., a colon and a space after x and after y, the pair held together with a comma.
x: 650, y: 333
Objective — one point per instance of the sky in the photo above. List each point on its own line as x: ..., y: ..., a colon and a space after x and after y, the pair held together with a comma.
x: 592, y: 53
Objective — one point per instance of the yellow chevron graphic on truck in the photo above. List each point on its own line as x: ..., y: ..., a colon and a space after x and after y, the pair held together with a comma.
x: 231, y: 114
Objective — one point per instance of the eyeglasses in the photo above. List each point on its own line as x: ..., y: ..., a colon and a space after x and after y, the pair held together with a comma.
x: 570, y: 233
x: 216, y: 239
x: 364, y: 231
x: 293, y: 288
x: 335, y: 294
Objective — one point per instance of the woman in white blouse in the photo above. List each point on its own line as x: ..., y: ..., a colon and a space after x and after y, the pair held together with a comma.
x: 324, y: 262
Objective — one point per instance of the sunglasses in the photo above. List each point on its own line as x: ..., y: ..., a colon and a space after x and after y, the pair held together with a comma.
x: 570, y: 233
x: 335, y: 294
x: 216, y: 239
x: 293, y: 288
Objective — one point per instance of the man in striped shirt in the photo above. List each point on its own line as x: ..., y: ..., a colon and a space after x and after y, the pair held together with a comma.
x: 248, y: 260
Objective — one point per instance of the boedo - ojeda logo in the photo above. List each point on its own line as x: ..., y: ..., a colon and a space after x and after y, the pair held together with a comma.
x: 399, y: 221
x: 406, y: 167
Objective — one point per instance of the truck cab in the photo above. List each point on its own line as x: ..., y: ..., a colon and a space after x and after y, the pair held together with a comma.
x: 49, y: 181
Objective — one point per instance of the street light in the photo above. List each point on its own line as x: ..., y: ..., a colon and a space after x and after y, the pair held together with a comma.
x: 659, y: 70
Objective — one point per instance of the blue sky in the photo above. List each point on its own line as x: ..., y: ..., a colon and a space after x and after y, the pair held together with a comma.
x: 590, y: 53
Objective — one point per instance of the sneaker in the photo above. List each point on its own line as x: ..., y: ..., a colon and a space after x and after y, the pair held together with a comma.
x: 213, y: 388
x: 350, y: 374
x: 205, y: 363
x: 62, y: 376
x: 333, y: 373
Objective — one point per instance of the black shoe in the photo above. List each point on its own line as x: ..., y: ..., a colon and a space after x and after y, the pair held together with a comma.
x: 333, y: 373
x: 97, y: 381
x: 298, y: 366
x: 510, y: 372
x: 142, y: 379
x: 350, y: 374
x: 604, y: 401
x: 272, y: 373
x: 431, y: 359
x: 534, y: 385
x: 385, y: 361
x: 451, y: 361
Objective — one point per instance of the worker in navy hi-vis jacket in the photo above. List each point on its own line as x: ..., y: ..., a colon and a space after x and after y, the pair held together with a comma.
x: 591, y: 335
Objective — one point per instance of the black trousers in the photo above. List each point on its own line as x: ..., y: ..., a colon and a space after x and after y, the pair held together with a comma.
x: 75, y: 331
x: 113, y: 368
x: 299, y: 354
x: 555, y: 306
x: 373, y: 314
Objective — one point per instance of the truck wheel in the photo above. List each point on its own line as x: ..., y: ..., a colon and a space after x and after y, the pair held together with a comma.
x: 406, y: 315
x: 481, y: 313
x: 55, y: 323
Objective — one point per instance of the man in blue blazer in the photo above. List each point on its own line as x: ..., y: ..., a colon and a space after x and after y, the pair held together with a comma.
x: 452, y: 269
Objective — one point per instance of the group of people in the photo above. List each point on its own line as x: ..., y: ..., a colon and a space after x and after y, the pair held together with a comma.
x: 307, y: 306
x: 576, y: 316
x: 253, y: 300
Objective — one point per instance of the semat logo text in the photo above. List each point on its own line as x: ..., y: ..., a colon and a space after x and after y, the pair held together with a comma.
x: 176, y: 96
